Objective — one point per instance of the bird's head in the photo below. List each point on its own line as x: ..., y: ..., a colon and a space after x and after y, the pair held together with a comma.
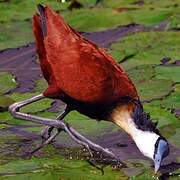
x: 152, y: 145
x: 160, y: 152
x: 143, y: 131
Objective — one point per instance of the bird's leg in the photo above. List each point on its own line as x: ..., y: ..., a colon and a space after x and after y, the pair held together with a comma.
x: 14, y: 110
x: 46, y: 142
x: 48, y: 131
x: 45, y: 133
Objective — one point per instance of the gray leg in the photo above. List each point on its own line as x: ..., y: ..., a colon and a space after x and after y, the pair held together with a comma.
x: 14, y: 110
x: 46, y: 133
x: 46, y: 142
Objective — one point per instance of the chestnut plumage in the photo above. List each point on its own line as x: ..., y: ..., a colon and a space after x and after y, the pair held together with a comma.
x: 77, y: 71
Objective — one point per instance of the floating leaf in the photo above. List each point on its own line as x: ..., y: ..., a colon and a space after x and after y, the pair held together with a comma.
x: 154, y: 88
x: 175, y: 139
x: 172, y: 101
x: 81, y: 123
x: 36, y: 106
x: 147, y: 86
x: 168, y: 72
x: 41, y: 85
x: 7, y: 82
x: 6, y: 117
x: 3, y: 126
x: 55, y: 168
x: 148, y: 48
x: 14, y: 34
x: 23, y: 10
x: 163, y: 116
x: 5, y: 101
x: 98, y: 19
x: 136, y: 74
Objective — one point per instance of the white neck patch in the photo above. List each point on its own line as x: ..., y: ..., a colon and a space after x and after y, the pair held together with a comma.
x: 145, y: 141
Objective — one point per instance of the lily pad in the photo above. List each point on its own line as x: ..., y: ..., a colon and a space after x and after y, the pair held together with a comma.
x: 23, y: 10
x: 95, y: 19
x: 87, y: 3
x: 14, y: 34
x: 15, y: 24
x: 81, y: 123
x: 136, y: 167
x: 163, y: 116
x: 36, y: 106
x: 41, y: 85
x: 3, y: 126
x: 98, y: 19
x: 172, y: 101
x: 147, y: 85
x: 136, y: 73
x: 175, y: 139
x: 6, y: 117
x: 118, y: 3
x: 147, y: 48
x: 154, y: 89
x: 7, y: 82
x: 168, y: 72
x: 5, y: 101
x: 55, y: 168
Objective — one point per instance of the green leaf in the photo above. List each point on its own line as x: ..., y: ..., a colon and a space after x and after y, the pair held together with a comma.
x: 36, y: 106
x: 23, y: 10
x: 168, y: 72
x: 41, y: 85
x: 7, y: 82
x: 175, y: 138
x: 172, y: 101
x: 136, y: 74
x: 163, y: 116
x: 95, y: 19
x: 148, y: 87
x: 89, y: 126
x: 55, y: 168
x: 98, y: 19
x: 3, y: 126
x: 147, y: 48
x: 154, y: 88
x: 14, y: 34
x: 5, y: 101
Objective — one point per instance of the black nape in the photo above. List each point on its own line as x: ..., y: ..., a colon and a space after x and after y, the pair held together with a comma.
x: 143, y: 121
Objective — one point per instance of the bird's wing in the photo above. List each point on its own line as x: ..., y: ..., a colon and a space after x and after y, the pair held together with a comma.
x: 79, y: 68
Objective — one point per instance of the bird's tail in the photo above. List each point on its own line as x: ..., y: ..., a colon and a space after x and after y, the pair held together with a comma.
x: 42, y: 19
x: 39, y: 29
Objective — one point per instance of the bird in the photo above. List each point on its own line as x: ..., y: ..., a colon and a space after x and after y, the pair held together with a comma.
x: 87, y: 79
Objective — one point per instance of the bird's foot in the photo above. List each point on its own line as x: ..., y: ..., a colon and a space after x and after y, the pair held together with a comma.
x: 46, y: 132
x: 45, y: 142
x: 97, y: 152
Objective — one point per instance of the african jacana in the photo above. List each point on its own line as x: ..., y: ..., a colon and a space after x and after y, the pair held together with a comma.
x: 88, y: 80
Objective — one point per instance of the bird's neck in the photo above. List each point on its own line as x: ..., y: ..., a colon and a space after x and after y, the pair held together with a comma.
x: 145, y: 140
x: 122, y: 116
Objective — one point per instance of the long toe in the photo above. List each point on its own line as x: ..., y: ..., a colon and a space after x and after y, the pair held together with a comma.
x: 46, y: 133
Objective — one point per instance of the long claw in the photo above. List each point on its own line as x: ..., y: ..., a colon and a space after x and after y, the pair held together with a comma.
x: 46, y: 133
